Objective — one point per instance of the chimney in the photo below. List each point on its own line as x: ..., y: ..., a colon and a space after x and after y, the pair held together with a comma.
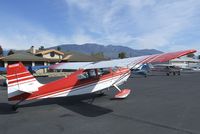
x: 32, y: 50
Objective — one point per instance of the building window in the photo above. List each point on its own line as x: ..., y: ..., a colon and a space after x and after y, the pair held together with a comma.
x: 52, y: 54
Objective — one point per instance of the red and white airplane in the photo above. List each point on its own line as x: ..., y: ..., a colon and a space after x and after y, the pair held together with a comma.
x: 90, y: 77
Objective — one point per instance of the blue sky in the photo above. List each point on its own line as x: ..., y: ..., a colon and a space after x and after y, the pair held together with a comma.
x: 166, y: 25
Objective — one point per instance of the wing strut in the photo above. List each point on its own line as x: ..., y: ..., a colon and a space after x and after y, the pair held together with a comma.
x: 117, y: 87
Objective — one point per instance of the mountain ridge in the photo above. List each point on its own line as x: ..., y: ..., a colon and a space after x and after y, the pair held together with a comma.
x: 110, y: 51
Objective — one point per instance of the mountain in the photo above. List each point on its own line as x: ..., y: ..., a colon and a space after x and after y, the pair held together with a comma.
x: 110, y: 51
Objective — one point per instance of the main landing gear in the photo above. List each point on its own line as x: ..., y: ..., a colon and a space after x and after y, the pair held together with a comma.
x: 14, y: 107
x: 122, y: 93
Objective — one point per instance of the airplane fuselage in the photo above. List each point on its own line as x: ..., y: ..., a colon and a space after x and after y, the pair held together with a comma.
x: 78, y: 83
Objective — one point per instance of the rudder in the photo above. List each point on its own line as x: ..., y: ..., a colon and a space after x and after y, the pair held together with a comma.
x: 20, y: 80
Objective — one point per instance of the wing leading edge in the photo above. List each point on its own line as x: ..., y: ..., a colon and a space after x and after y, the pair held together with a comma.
x: 127, y: 62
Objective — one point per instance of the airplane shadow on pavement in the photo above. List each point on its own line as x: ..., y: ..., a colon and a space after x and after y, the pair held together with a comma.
x: 78, y: 104
x: 5, y: 108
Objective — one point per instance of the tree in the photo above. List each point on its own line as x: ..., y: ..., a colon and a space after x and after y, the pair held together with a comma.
x: 190, y: 55
x: 58, y: 48
x: 122, y: 55
x: 98, y: 54
x: 41, y: 48
x: 10, y: 52
x: 1, y: 51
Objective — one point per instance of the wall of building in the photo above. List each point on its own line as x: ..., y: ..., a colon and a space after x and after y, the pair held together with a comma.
x: 56, y: 56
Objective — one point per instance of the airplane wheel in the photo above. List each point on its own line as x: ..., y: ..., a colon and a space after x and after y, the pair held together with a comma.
x: 4, y: 84
x: 100, y: 93
x: 14, y: 107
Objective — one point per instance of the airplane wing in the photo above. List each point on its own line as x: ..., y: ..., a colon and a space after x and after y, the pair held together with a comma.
x: 70, y: 65
x: 126, y: 62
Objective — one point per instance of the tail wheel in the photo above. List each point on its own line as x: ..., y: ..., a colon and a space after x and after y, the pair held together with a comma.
x: 14, y: 108
x: 179, y: 73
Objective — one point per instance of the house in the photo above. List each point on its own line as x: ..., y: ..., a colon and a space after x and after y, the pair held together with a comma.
x: 51, y: 54
x: 26, y: 58
x: 33, y: 57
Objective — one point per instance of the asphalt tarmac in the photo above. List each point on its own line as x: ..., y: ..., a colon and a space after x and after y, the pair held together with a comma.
x: 157, y: 105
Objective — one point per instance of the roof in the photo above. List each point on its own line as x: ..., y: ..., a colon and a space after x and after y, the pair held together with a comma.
x: 23, y: 57
x: 1, y: 58
x: 49, y: 51
x: 78, y: 57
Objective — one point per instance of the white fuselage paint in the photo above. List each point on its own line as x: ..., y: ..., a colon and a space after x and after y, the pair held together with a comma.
x: 91, y: 88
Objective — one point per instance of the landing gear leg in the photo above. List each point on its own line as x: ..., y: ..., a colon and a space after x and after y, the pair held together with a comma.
x: 122, y: 93
x: 14, y: 107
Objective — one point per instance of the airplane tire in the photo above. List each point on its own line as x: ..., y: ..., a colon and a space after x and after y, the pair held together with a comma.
x: 179, y: 73
x: 14, y: 108
x: 100, y: 93
x: 4, y: 84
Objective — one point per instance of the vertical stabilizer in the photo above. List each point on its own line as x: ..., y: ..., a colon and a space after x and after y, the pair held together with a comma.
x: 20, y: 80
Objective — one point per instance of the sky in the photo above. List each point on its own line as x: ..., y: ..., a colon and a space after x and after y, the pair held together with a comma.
x: 166, y: 25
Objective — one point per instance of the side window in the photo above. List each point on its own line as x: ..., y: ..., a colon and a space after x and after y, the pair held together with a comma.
x: 114, y: 69
x: 106, y: 71
x: 87, y: 74
x: 82, y: 76
x: 103, y: 71
x: 92, y: 73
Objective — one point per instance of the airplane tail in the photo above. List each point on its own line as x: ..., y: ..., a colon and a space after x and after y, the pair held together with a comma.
x: 20, y: 81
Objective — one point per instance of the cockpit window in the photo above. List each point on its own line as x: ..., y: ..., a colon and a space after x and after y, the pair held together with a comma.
x: 92, y: 73
x: 87, y: 74
x: 114, y: 69
x: 82, y: 76
x: 103, y: 71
